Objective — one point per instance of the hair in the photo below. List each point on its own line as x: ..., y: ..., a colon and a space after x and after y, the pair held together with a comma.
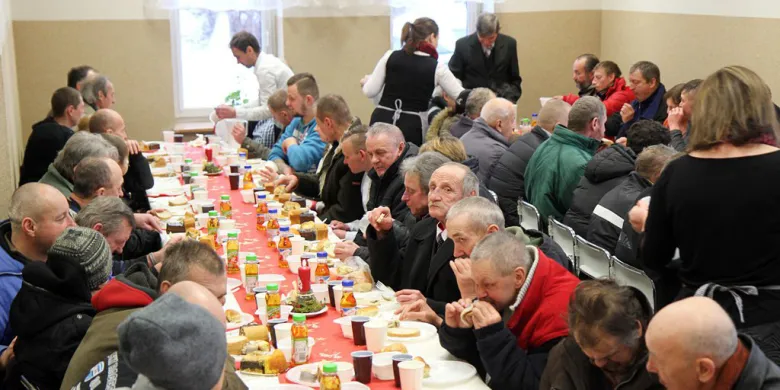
x: 470, y: 180
x: 553, y: 112
x: 26, y: 202
x: 476, y: 100
x: 92, y: 88
x: 590, y: 61
x: 80, y: 146
x: 497, y: 109
x: 244, y: 39
x: 602, y: 305
x: 101, y: 120
x: 278, y: 100
x: 306, y: 84
x: 652, y: 161
x: 481, y: 213
x: 357, y: 136
x: 691, y: 86
x: 648, y: 70
x: 120, y: 145
x: 675, y: 94
x: 334, y: 107
x: 392, y: 132
x: 412, y: 34
x: 609, y: 68
x: 505, y: 251
x: 448, y: 145
x: 733, y: 105
x: 644, y: 133
x: 583, y: 111
x: 110, y: 211
x: 182, y: 256
x: 63, y: 98
x: 78, y: 74
x: 91, y: 174
x: 422, y: 167
x: 487, y: 24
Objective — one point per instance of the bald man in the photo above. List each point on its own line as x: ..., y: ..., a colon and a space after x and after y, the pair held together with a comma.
x: 38, y: 215
x: 693, y: 344
x: 488, y: 139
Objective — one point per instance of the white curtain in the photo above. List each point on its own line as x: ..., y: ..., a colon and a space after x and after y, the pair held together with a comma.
x: 269, y: 5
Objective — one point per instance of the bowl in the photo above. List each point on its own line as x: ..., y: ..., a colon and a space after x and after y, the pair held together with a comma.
x: 286, y: 345
x: 382, y: 365
x: 285, y: 313
x: 202, y: 220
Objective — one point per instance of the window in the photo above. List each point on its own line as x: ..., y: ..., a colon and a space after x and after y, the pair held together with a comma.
x: 205, y: 71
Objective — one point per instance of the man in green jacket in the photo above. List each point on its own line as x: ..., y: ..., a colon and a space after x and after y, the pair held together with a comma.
x: 559, y: 163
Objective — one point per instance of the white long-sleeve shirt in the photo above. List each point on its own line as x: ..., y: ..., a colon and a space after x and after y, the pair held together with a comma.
x: 272, y: 74
x: 443, y: 78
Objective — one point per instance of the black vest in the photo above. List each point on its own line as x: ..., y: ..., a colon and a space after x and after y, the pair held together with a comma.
x: 410, y: 78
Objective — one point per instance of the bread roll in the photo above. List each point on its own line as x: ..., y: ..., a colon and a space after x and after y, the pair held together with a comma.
x: 254, y: 332
x: 395, y: 347
x: 235, y: 344
x: 403, y: 332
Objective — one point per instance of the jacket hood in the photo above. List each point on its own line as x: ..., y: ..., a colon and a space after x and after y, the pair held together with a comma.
x: 50, y: 292
x: 614, y: 161
x: 565, y: 136
x: 617, y: 86
x: 136, y: 287
x: 473, y: 164
x: 9, y: 264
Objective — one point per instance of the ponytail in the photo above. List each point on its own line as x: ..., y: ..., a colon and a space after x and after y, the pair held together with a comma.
x: 407, y: 36
x: 412, y: 34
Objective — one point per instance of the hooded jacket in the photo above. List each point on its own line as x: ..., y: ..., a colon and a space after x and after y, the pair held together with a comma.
x: 612, y: 211
x: 11, y: 265
x: 442, y: 123
x: 388, y: 189
x: 50, y: 315
x: 652, y: 108
x: 53, y: 178
x: 138, y: 179
x: 607, y: 169
x: 47, y: 138
x: 545, y: 243
x: 616, y: 96
x: 486, y: 144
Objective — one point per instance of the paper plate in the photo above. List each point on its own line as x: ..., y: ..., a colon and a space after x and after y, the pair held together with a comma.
x: 426, y: 331
x: 316, y: 313
x: 294, y: 375
x: 449, y: 373
x: 246, y: 319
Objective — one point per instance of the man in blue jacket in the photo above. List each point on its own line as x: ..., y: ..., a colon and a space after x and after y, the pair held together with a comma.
x: 38, y: 214
x: 300, y: 147
x: 645, y: 81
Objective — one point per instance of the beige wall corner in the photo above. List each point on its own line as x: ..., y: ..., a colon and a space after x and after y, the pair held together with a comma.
x: 10, y: 127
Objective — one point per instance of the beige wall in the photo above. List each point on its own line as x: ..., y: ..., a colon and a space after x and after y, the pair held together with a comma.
x: 10, y: 142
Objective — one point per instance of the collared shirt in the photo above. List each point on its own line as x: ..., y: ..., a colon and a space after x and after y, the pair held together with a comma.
x: 265, y: 133
x: 441, y: 231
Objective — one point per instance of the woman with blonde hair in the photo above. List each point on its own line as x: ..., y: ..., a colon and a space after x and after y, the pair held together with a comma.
x: 449, y: 146
x: 719, y: 206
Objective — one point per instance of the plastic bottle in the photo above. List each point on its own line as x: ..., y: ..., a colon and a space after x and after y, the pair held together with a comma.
x: 225, y: 208
x: 329, y: 379
x: 212, y: 226
x: 242, y: 159
x: 348, y: 302
x: 322, y: 273
x: 272, y: 226
x: 273, y: 301
x: 231, y: 252
x: 261, y: 211
x: 300, y: 340
x: 250, y: 276
x: 249, y: 182
x: 284, y: 246
x: 534, y: 118
x: 304, y: 276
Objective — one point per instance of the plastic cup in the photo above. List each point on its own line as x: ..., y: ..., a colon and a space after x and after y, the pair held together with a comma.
x: 283, y: 331
x: 168, y: 135
x: 234, y: 179
x: 397, y: 359
x: 286, y: 347
x: 338, y: 291
x: 320, y: 292
x: 220, y: 160
x: 178, y: 137
x: 209, y: 154
x: 297, y: 244
x: 234, y: 168
x: 200, y: 195
x: 200, y: 181
x: 411, y: 374
x: 376, y: 335
x: 248, y: 196
x: 358, y: 332
x: 361, y: 360
x: 331, y: 292
x: 227, y: 224
x: 272, y: 324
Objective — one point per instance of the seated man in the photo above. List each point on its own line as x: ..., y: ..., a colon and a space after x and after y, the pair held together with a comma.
x: 387, y: 149
x: 488, y: 140
x: 519, y: 317
x: 427, y: 250
x: 608, y: 216
x: 508, y: 176
x: 680, y: 117
x: 49, y: 136
x: 138, y: 177
x: 606, y: 343
x: 38, y: 214
x: 693, y: 344
x: 79, y: 74
x: 300, y: 147
x: 472, y: 109
x: 353, y: 146
x: 334, y: 184
x: 52, y: 311
x: 128, y: 293
x: 82, y: 145
x: 559, y: 163
x: 98, y: 93
x: 607, y: 169
x: 645, y: 79
x: 582, y: 74
x: 610, y: 87
x: 267, y: 132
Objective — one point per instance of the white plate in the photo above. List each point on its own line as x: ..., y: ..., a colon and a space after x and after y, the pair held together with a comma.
x: 264, y: 279
x: 448, y: 373
x: 354, y: 386
x: 426, y: 331
x: 316, y: 313
x: 246, y: 319
x: 233, y: 284
x: 294, y: 375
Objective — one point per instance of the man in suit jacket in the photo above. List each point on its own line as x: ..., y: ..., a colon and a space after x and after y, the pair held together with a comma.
x: 488, y: 59
x: 419, y: 267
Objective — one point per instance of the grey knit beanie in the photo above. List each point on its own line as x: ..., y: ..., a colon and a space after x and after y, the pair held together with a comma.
x: 176, y: 344
x: 88, y: 248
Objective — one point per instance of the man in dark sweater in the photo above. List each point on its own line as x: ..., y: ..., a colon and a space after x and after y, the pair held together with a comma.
x: 582, y: 74
x: 645, y: 80
x: 50, y: 135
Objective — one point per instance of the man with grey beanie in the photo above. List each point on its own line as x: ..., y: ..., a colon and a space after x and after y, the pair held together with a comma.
x: 52, y: 311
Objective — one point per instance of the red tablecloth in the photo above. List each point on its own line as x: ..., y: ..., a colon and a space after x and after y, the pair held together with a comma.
x: 330, y: 344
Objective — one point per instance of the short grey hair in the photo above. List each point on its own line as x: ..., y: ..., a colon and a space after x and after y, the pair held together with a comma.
x: 653, y: 160
x: 392, y: 131
x: 498, y: 109
x: 481, y: 213
x: 470, y: 180
x: 583, y: 111
x: 90, y: 175
x: 80, y: 146
x: 476, y: 100
x: 110, y: 211
x: 487, y: 24
x: 505, y: 251
x: 27, y: 202
x: 422, y: 167
x: 91, y: 88
x: 648, y: 70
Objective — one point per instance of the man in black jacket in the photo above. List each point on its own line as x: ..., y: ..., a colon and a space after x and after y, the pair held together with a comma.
x: 507, y: 179
x: 387, y: 149
x: 488, y: 59
x: 333, y: 183
x: 645, y: 80
x: 49, y: 136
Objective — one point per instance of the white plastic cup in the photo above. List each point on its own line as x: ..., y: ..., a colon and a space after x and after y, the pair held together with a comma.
x: 248, y: 196
x: 177, y: 149
x: 242, y: 268
x: 262, y: 313
x: 338, y: 291
x: 283, y: 332
x: 227, y: 224
x: 297, y: 245
x: 411, y: 374
x: 168, y: 136
x: 200, y: 195
x: 376, y: 335
x: 232, y: 159
x: 202, y: 220
x: 320, y: 292
x: 196, y: 167
x: 200, y: 181
x: 284, y: 345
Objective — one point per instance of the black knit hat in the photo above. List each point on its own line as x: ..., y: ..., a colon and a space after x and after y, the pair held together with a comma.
x: 88, y: 248
x: 460, y: 102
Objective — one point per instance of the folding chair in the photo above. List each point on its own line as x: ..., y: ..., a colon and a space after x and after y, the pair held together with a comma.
x: 529, y: 216
x: 593, y: 260
x: 627, y: 275
x: 565, y: 237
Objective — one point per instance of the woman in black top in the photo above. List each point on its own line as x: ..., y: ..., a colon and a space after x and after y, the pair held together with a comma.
x: 406, y: 80
x: 720, y: 205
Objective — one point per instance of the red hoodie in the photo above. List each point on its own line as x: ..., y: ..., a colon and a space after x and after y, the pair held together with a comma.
x: 616, y: 95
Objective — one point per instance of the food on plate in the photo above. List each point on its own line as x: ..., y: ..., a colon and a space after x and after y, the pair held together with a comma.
x: 300, y: 200
x: 291, y: 206
x: 255, y: 346
x: 283, y: 198
x: 164, y: 215
x: 427, y: 369
x: 279, y: 190
x: 295, y: 216
x: 235, y: 344
x: 269, y: 187
x: 275, y: 362
x: 232, y: 316
x: 394, y: 323
x: 189, y: 221
x: 403, y: 332
x: 322, y: 231
x: 254, y: 332
x: 307, y: 225
x: 159, y: 162
x: 307, y: 217
x: 180, y: 200
x: 253, y: 363
x: 395, y: 347
x: 306, y: 303
x: 211, y: 168
x: 193, y: 233
x: 175, y: 226
x: 208, y: 240
x: 149, y: 146
x: 368, y: 311
x: 308, y: 234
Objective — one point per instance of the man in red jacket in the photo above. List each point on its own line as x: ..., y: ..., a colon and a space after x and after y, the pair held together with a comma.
x: 518, y: 317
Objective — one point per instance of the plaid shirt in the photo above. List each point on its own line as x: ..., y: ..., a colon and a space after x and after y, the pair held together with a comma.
x: 264, y: 133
